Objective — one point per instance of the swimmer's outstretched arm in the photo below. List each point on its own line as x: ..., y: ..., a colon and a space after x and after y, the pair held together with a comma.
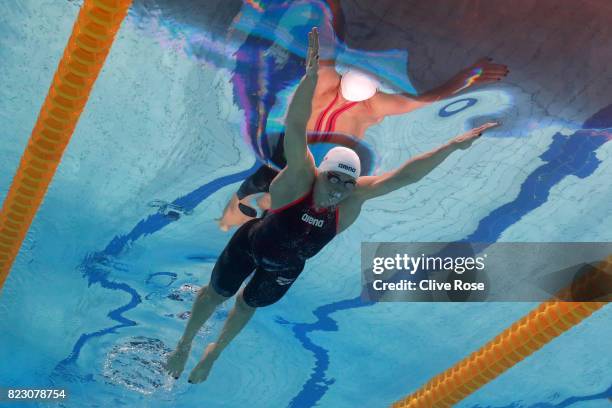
x: 481, y: 72
x: 295, y: 142
x: 416, y: 168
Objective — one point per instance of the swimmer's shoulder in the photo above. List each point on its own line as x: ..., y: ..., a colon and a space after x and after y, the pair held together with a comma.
x: 290, y: 185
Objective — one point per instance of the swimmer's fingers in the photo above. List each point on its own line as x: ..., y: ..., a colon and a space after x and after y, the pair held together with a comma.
x: 315, y: 38
x: 315, y: 46
x: 488, y: 76
x: 493, y: 72
x: 497, y: 69
x: 485, y: 71
x: 312, y: 59
x: 309, y: 52
x: 478, y: 131
x: 313, y: 43
x: 465, y: 140
x: 486, y: 126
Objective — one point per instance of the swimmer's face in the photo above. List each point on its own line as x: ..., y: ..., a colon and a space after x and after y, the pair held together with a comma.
x: 333, y: 187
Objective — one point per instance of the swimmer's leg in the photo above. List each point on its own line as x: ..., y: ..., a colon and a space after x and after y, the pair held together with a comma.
x: 233, y: 266
x: 205, y: 304
x: 232, y: 215
x: 264, y: 202
x: 263, y: 289
x: 258, y: 182
x: 236, y: 320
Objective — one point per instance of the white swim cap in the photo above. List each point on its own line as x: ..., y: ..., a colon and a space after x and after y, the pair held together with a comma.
x: 357, y: 86
x: 342, y: 160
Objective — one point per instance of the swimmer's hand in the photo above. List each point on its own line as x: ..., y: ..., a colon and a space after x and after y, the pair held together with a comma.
x: 312, y: 58
x: 484, y: 71
x: 465, y: 140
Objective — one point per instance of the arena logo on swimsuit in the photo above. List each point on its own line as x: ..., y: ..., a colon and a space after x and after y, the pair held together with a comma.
x: 312, y: 220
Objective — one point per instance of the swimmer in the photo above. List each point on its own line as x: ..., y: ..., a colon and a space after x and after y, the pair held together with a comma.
x: 350, y: 104
x: 309, y: 207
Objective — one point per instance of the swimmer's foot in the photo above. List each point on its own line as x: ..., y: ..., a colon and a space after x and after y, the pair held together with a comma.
x: 175, y: 364
x: 202, y: 369
x: 232, y: 215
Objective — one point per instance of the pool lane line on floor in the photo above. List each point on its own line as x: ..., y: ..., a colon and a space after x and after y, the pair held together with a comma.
x: 94, y: 265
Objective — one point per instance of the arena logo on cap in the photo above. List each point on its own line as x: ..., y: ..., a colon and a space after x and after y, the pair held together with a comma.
x: 346, y: 167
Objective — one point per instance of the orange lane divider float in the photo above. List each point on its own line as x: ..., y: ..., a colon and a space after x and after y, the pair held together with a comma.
x: 549, y: 320
x: 91, y: 39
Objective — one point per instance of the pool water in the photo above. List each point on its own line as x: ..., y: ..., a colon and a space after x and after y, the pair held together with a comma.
x: 128, y: 231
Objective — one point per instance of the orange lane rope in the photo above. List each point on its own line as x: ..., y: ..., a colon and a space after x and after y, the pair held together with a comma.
x: 549, y: 320
x: 91, y: 39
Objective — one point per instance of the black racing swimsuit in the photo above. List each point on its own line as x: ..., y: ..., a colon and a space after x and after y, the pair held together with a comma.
x: 291, y: 234
x: 276, y: 247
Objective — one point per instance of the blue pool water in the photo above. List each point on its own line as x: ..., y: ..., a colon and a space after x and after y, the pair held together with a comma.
x: 128, y: 232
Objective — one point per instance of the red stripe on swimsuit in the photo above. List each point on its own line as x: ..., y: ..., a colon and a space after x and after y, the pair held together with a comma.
x: 331, y: 123
x: 322, y: 115
x: 333, y: 117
